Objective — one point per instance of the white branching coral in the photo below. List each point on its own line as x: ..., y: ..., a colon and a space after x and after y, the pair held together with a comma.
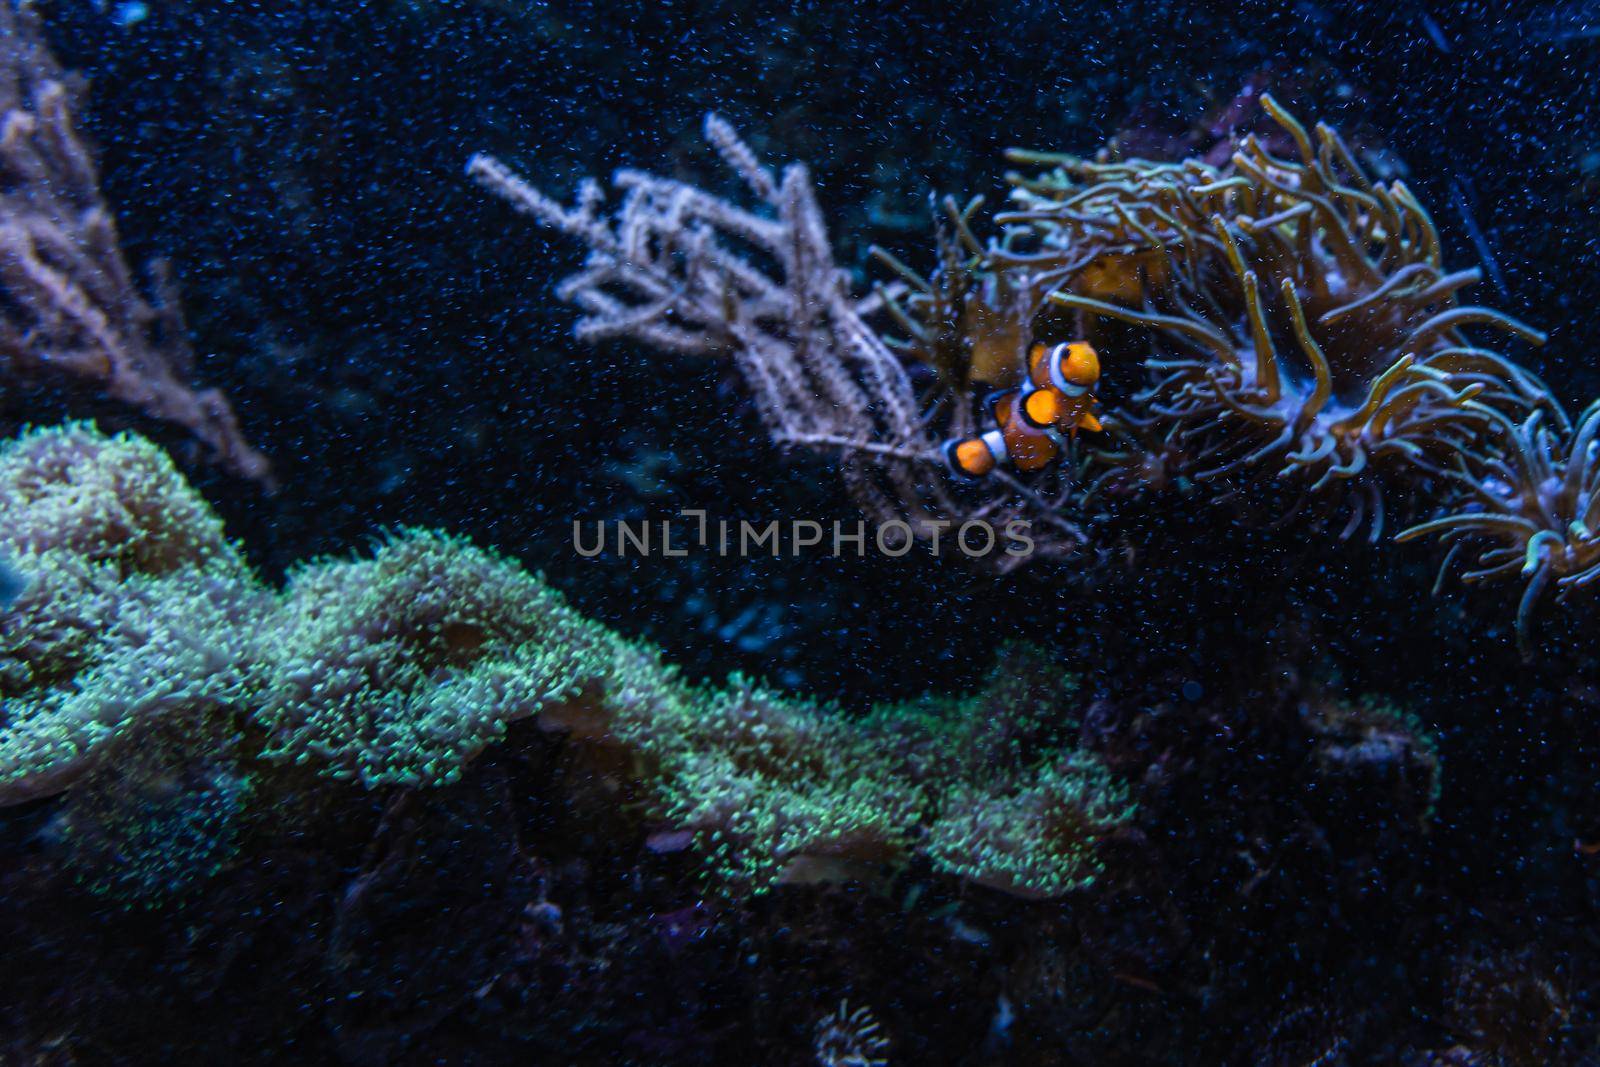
x: 69, y: 306
x: 679, y: 269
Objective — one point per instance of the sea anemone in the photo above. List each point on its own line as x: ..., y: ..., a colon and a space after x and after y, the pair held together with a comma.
x: 1302, y: 321
x: 1529, y: 513
x: 850, y: 1038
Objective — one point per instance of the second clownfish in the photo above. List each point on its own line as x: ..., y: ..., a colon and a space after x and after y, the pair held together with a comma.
x: 1034, y: 422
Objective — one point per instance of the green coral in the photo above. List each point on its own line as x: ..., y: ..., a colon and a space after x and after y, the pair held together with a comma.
x: 131, y: 593
x: 112, y: 501
x: 398, y: 669
x: 173, y: 645
x: 1012, y: 803
x: 779, y: 788
x: 163, y: 811
x: 1034, y: 836
x: 1373, y: 743
x: 1018, y: 714
x: 148, y: 671
x: 986, y: 786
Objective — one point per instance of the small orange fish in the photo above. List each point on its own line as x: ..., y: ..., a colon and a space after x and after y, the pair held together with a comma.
x: 1036, y: 421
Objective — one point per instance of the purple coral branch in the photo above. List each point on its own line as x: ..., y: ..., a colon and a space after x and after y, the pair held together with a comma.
x: 69, y: 305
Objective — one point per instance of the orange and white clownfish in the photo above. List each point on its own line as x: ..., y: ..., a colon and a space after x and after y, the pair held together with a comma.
x: 1035, y: 422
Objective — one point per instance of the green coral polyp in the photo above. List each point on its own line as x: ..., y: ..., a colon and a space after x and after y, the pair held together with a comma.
x: 779, y: 789
x: 144, y: 653
x: 396, y: 670
x: 116, y: 501
x: 132, y: 594
x: 163, y: 812
x: 1037, y: 840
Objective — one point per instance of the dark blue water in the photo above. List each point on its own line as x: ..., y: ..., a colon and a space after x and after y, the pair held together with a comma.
x: 390, y: 337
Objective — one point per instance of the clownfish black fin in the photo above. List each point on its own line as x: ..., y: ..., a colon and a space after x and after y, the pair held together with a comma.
x: 995, y: 403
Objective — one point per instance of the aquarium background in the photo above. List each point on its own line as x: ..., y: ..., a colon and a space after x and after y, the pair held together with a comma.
x: 390, y: 337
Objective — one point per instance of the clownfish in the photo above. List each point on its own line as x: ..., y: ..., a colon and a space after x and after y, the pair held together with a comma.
x: 1034, y: 422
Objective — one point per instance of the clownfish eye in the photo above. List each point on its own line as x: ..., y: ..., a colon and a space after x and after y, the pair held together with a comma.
x: 1074, y: 367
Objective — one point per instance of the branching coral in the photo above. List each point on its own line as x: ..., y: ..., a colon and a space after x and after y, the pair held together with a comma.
x: 69, y: 306
x: 146, y: 667
x: 685, y: 271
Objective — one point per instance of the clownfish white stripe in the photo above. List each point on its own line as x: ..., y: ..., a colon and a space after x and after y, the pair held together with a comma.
x: 995, y: 440
x: 1058, y: 355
